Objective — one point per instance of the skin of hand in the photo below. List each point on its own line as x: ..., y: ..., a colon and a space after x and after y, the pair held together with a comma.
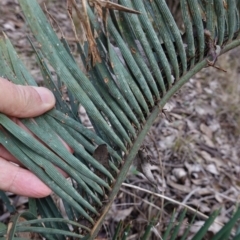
x: 21, y: 102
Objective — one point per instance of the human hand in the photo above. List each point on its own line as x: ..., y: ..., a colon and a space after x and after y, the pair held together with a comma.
x: 19, y: 102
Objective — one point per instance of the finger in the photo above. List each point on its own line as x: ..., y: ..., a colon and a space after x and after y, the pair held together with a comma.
x: 4, y: 153
x: 24, y: 101
x: 21, y: 181
x: 19, y: 123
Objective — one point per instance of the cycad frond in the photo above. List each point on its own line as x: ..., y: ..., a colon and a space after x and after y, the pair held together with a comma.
x: 137, y: 63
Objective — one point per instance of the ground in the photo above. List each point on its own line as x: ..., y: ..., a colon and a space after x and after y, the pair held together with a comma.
x: 193, y: 146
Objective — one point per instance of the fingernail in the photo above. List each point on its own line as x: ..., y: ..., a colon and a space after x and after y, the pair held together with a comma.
x: 46, y: 95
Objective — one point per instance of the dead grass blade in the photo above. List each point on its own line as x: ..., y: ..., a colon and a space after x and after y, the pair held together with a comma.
x: 84, y: 20
x: 112, y: 5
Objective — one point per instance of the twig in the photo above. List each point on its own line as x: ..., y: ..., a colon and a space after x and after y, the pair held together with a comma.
x: 195, y: 211
x: 145, y: 201
x: 162, y: 175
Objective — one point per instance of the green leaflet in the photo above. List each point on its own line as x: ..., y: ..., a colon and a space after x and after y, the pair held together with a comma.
x: 45, y: 152
x: 68, y: 70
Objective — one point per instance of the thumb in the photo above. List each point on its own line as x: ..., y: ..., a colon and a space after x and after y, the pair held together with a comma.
x: 24, y: 101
